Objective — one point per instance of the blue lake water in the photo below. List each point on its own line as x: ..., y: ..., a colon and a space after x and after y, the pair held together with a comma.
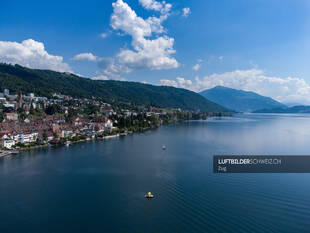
x: 99, y: 186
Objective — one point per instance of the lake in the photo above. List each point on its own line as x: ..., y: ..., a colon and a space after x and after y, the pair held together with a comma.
x: 100, y: 186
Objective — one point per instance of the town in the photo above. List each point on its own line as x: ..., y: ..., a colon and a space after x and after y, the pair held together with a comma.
x: 29, y: 121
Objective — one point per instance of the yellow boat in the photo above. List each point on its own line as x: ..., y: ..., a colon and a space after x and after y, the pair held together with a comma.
x: 149, y: 195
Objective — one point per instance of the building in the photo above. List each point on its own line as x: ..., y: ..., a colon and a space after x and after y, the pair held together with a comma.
x: 90, y: 133
x: 6, y: 92
x: 7, y: 143
x: 108, y: 126
x: 11, y: 104
x: 127, y: 112
x: 26, y: 138
x: 67, y: 134
x: 11, y: 116
x: 106, y: 109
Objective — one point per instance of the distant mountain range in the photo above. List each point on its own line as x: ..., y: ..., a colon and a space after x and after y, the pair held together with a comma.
x: 46, y: 82
x: 241, y: 101
x: 295, y: 109
x: 292, y: 104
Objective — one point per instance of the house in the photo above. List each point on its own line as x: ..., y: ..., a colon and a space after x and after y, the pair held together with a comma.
x: 78, y: 121
x: 106, y: 109
x: 98, y: 128
x: 55, y: 128
x: 6, y: 92
x: 50, y: 136
x: 90, y: 133
x: 7, y: 143
x: 67, y: 134
x: 100, y: 119
x: 127, y: 112
x: 108, y: 126
x: 9, y: 104
x: 26, y: 137
x: 4, y: 136
x: 11, y: 116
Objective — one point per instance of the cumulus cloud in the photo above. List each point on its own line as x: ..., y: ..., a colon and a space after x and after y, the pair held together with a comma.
x: 179, y: 83
x: 186, y: 12
x: 290, y: 89
x: 100, y: 77
x: 196, y: 67
x: 104, y: 34
x: 32, y: 54
x: 110, y: 68
x: 154, y: 54
x: 163, y: 7
x: 85, y: 56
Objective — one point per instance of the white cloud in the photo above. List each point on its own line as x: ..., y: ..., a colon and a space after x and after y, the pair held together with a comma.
x: 32, y: 54
x: 186, y: 12
x: 85, y: 56
x: 104, y: 35
x: 154, y: 54
x: 163, y: 7
x: 221, y: 58
x: 290, y: 89
x: 168, y: 82
x: 100, y: 77
x: 104, y: 77
x: 196, y: 67
x: 179, y: 83
x: 110, y: 68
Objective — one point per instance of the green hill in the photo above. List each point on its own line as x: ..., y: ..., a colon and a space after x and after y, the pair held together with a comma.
x: 46, y: 82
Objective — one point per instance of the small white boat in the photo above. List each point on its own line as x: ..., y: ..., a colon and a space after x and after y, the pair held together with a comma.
x: 164, y: 147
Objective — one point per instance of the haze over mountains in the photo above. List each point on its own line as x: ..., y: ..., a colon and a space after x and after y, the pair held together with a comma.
x: 294, y: 109
x: 239, y: 100
x: 46, y: 82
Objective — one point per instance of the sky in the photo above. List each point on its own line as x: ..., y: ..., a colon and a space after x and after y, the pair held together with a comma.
x: 257, y: 45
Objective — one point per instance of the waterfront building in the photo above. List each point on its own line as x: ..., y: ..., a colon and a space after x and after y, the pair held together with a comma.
x: 7, y: 143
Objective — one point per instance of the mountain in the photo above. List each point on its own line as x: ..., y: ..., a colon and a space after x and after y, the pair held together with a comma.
x: 238, y: 100
x: 291, y: 104
x: 46, y: 82
x: 295, y: 109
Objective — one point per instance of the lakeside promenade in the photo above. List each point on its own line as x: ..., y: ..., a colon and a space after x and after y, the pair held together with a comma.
x: 7, y: 152
x: 4, y: 153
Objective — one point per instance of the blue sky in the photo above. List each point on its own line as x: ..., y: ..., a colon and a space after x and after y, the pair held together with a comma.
x: 257, y: 45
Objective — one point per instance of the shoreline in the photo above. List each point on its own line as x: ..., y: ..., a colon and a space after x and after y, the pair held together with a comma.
x: 4, y: 153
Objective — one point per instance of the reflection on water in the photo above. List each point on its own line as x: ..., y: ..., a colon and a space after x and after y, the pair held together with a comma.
x: 99, y: 186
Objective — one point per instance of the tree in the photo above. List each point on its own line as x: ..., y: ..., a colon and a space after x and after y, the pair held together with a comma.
x: 155, y: 119
x: 91, y: 109
x: 44, y: 135
x: 52, y: 109
x: 32, y: 110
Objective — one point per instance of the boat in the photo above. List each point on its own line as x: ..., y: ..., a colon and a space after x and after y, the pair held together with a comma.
x: 149, y: 195
x: 164, y: 147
